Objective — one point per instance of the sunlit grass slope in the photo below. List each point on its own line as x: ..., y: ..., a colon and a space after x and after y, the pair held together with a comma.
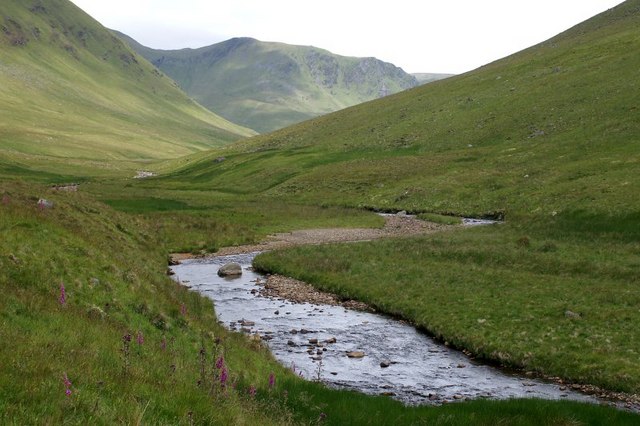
x: 551, y: 129
x: 69, y: 88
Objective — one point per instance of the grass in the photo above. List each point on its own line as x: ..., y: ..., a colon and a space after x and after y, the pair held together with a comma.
x: 197, y: 221
x: 112, y: 267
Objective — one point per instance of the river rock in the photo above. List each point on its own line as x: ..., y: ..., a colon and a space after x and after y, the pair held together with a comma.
x: 313, y: 341
x: 355, y: 354
x: 385, y: 364
x: 331, y: 340
x: 230, y: 270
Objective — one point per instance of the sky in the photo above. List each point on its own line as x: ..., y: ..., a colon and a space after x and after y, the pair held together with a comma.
x: 444, y: 36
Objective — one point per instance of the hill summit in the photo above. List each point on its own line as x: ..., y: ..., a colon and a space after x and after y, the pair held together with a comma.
x: 266, y: 86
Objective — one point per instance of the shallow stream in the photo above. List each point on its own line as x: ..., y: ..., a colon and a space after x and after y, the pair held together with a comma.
x: 398, y: 360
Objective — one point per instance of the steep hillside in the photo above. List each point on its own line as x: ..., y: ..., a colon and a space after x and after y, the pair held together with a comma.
x: 553, y: 128
x: 69, y: 88
x: 267, y: 86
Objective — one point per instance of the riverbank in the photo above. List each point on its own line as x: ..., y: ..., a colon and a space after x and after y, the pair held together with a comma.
x: 394, y: 226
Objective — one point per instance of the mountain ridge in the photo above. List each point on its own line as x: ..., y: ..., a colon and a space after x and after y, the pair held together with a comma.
x: 269, y: 85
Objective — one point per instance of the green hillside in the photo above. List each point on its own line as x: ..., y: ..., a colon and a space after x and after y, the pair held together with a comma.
x: 69, y: 88
x: 554, y: 128
x: 267, y: 86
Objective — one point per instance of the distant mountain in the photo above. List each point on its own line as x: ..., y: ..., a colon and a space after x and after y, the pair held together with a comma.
x: 70, y: 88
x: 267, y: 86
x: 424, y: 78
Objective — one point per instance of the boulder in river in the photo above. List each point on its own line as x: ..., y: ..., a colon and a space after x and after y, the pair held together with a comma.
x: 355, y: 354
x: 230, y: 270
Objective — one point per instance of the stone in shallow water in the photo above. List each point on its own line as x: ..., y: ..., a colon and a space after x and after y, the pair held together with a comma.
x: 230, y: 270
x: 355, y: 354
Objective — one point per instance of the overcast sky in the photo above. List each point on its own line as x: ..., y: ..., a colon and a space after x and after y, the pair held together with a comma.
x: 446, y: 36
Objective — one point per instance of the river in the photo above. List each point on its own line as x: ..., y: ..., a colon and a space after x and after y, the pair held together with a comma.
x: 315, y: 340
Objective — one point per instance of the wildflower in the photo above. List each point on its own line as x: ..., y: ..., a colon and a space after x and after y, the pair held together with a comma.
x: 183, y: 309
x: 6, y: 200
x: 252, y: 391
x: 140, y: 338
x: 163, y: 343
x: 272, y: 380
x: 223, y: 377
x: 323, y: 416
x: 67, y: 385
x: 220, y: 362
x: 63, y: 295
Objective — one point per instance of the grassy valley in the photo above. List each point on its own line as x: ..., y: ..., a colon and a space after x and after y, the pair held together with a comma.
x: 266, y: 86
x: 544, y: 139
x: 95, y: 332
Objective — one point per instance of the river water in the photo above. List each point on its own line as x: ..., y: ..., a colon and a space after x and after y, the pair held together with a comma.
x: 398, y: 360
